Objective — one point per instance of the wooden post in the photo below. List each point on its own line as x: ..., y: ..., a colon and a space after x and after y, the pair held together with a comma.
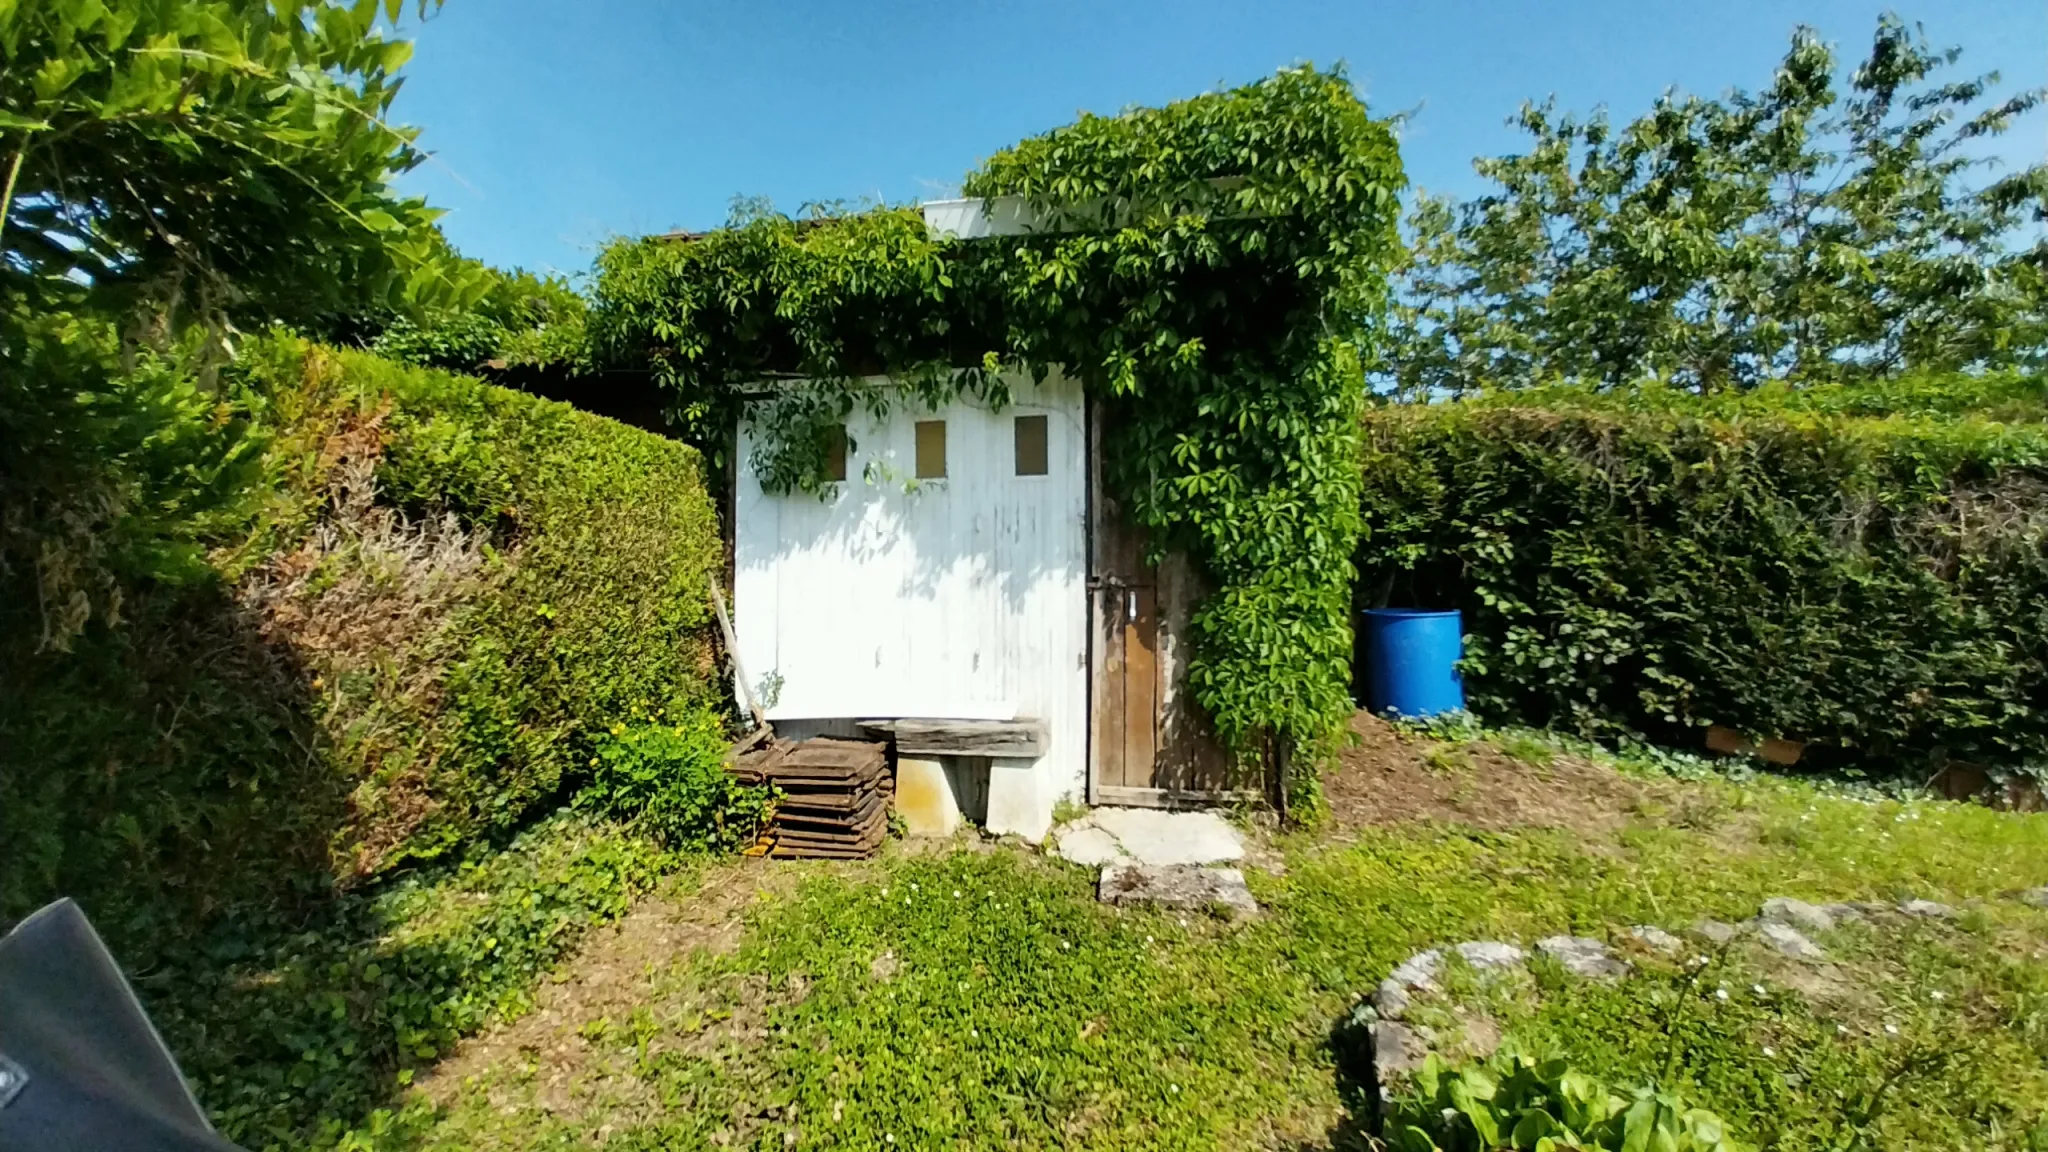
x: 732, y: 650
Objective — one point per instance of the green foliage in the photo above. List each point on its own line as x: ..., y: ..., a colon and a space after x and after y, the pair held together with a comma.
x: 1215, y: 289
x: 1515, y: 1101
x: 874, y: 1002
x: 109, y: 477
x: 293, y: 1037
x: 171, y: 168
x: 201, y: 157
x: 1826, y: 227
x: 406, y: 633
x: 2010, y: 396
x: 521, y: 321
x: 670, y: 779
x: 597, y: 541
x: 1657, y: 563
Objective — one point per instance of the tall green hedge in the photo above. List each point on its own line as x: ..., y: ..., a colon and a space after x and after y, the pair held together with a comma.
x: 1860, y: 568
x: 428, y: 604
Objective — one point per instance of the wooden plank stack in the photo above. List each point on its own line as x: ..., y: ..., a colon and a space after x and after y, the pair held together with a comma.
x: 835, y: 795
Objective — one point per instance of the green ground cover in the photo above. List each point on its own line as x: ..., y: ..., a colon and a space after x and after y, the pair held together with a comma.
x: 977, y: 996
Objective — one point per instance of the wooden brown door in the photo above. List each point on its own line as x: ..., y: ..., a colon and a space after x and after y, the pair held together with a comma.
x: 1150, y: 743
x: 1127, y: 683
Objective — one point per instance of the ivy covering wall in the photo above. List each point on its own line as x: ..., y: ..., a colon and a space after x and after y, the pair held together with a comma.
x: 1214, y: 274
x: 1864, y: 567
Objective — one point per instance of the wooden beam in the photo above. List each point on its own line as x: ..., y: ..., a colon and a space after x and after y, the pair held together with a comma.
x: 937, y: 737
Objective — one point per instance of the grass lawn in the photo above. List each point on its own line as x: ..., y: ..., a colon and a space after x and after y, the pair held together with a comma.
x: 976, y: 996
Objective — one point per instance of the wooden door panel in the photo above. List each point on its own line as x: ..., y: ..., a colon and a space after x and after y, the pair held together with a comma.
x: 1150, y: 744
x: 1141, y: 686
x: 1108, y: 711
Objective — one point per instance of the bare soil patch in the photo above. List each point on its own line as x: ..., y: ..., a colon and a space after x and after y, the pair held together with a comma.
x: 1388, y: 778
x: 617, y: 970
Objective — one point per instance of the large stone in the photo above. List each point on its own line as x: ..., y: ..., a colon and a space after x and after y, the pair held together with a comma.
x: 1656, y: 939
x: 924, y: 798
x: 1396, y: 1052
x: 1088, y: 846
x: 1482, y: 955
x: 1415, y: 974
x: 1153, y: 836
x: 1798, y: 914
x: 1851, y: 911
x: 1419, y: 970
x: 2038, y: 897
x: 1392, y: 999
x: 1583, y: 956
x: 1788, y: 941
x: 1715, y: 931
x: 1176, y: 886
x: 1927, y: 909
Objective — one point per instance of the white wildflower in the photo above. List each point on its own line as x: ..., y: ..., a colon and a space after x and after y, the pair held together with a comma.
x: 1720, y: 993
x: 956, y: 893
x: 1937, y: 995
x: 1757, y: 988
x: 1891, y: 1029
x: 1769, y: 1051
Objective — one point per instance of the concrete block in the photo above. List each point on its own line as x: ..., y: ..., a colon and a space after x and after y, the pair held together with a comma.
x: 1158, y: 837
x: 1090, y: 847
x: 924, y: 798
x: 1176, y: 886
x: 1020, y: 800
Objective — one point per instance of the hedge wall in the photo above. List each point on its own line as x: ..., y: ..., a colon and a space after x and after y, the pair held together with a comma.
x: 1861, y: 568
x: 421, y: 614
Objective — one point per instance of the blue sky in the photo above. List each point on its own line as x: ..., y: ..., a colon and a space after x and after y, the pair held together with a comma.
x: 558, y: 125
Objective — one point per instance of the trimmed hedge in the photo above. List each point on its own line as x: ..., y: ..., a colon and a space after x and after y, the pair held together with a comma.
x: 1862, y: 568
x: 429, y: 606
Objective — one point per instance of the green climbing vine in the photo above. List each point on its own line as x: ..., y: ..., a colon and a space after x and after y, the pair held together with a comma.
x: 1215, y: 277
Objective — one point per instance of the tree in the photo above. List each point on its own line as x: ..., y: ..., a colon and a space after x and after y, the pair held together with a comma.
x: 169, y: 168
x: 1819, y: 229
x: 521, y: 321
x: 201, y: 158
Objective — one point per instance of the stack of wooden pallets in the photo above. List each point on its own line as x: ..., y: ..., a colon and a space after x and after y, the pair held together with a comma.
x: 835, y: 795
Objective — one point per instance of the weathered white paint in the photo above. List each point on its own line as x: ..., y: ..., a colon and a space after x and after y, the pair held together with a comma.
x: 977, y: 218
x: 956, y: 598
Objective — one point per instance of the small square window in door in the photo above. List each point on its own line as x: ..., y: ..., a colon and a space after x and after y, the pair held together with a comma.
x: 1031, y: 453
x: 931, y: 449
x: 834, y: 437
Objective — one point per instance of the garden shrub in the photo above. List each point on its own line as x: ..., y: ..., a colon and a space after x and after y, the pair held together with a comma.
x: 347, y: 627
x: 432, y: 600
x: 1860, y: 567
x: 1514, y: 1101
x: 670, y: 780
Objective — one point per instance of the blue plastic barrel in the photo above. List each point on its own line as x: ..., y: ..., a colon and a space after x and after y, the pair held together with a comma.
x: 1411, y: 661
